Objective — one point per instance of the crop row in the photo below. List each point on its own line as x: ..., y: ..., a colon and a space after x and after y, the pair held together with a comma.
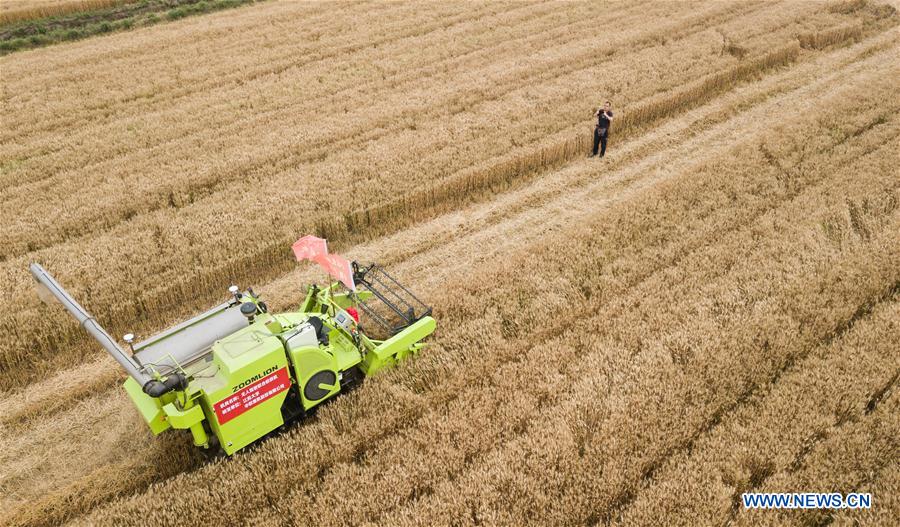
x: 19, y: 10
x: 157, y: 247
x: 775, y: 432
x: 274, y: 142
x: 584, y: 469
x: 62, y: 500
x: 862, y: 453
x: 568, y: 198
x: 455, y: 365
x: 422, y: 465
x: 435, y: 245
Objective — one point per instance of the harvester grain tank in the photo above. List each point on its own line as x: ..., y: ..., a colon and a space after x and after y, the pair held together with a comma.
x: 237, y: 372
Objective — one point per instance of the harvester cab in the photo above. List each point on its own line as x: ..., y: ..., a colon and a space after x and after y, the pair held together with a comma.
x: 237, y: 372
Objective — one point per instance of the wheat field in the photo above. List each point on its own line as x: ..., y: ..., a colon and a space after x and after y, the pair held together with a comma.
x: 711, y: 309
x: 24, y: 10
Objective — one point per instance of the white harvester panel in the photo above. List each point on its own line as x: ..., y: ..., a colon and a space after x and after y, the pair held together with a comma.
x: 304, y: 336
x: 191, y: 339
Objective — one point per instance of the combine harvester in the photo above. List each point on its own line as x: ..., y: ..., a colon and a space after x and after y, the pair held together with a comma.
x: 237, y: 372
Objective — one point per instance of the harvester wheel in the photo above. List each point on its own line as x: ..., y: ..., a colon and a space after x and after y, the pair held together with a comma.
x: 351, y: 378
x: 214, y: 451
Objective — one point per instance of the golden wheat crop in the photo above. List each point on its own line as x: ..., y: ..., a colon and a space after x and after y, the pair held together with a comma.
x: 724, y: 285
x: 831, y: 389
x: 423, y: 154
x: 21, y: 10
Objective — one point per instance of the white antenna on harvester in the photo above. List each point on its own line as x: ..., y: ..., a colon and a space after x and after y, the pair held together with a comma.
x: 129, y: 339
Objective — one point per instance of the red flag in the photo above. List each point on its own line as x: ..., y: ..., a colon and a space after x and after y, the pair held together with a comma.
x: 316, y: 249
x: 337, y: 267
x: 309, y: 247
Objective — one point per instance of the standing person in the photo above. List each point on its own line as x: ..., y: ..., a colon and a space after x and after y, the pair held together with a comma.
x: 601, y: 131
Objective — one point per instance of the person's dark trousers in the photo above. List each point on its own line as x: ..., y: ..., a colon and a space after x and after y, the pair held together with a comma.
x: 600, y: 142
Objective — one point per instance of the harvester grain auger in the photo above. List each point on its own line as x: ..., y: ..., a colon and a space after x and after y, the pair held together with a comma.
x: 237, y: 372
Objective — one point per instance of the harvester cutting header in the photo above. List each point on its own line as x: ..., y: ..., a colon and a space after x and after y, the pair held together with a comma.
x: 235, y: 373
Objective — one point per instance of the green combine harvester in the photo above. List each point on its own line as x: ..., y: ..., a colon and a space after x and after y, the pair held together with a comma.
x: 237, y: 372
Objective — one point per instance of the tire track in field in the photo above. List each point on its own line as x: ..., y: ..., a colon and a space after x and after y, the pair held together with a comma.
x: 820, y: 438
x: 849, y: 457
x: 863, y: 312
x: 627, y: 497
x: 759, y: 437
x: 879, y: 472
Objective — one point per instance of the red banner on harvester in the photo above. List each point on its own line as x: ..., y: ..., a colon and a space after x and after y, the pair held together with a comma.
x: 316, y: 249
x: 252, y: 395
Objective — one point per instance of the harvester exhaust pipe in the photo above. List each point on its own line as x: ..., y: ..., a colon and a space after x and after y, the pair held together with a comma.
x: 46, y: 284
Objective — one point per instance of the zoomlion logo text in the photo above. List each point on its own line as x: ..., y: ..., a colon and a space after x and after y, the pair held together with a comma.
x: 253, y: 379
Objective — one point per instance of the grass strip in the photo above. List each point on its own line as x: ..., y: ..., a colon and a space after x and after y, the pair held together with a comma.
x: 29, y: 34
